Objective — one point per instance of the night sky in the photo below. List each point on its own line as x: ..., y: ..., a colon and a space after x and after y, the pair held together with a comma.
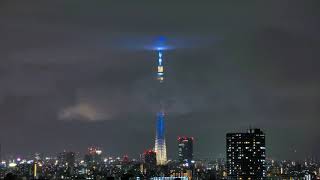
x: 77, y: 73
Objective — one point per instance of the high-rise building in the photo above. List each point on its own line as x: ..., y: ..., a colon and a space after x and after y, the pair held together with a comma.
x: 93, y: 156
x: 66, y: 158
x: 160, y: 141
x: 246, y: 154
x: 150, y: 159
x: 185, y: 150
x: 66, y: 162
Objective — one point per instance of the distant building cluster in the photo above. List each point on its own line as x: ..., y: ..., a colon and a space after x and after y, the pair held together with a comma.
x: 245, y: 159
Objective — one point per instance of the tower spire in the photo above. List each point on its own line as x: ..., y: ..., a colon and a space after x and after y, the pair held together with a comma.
x: 160, y: 73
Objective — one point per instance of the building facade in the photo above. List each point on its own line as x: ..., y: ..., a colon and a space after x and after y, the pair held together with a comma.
x: 66, y: 158
x: 150, y: 159
x: 93, y: 156
x: 185, y: 150
x: 246, y: 154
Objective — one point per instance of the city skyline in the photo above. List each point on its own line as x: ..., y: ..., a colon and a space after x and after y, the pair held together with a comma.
x: 175, y: 151
x: 245, y: 159
x: 79, y: 74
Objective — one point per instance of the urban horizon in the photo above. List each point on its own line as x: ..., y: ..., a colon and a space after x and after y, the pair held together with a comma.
x: 172, y: 156
x: 159, y: 90
x: 251, y: 143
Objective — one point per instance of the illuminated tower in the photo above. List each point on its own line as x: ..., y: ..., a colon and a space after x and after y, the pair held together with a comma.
x: 160, y: 141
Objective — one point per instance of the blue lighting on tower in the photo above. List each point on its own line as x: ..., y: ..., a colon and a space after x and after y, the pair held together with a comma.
x: 160, y: 58
x: 160, y: 72
x: 161, y: 44
x: 160, y: 141
x: 160, y: 126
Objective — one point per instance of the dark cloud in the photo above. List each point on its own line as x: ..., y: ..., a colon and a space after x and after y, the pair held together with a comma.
x: 73, y: 74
